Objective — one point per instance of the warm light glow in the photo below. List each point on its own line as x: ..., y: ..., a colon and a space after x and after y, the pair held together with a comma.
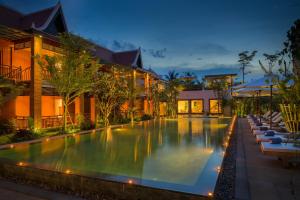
x: 68, y: 171
x: 74, y: 134
x: 21, y: 164
x: 197, y: 106
x: 210, y: 194
x: 11, y: 146
x: 183, y: 106
x: 215, y: 106
x: 130, y: 181
x: 218, y: 169
x: 226, y: 144
x: 47, y: 139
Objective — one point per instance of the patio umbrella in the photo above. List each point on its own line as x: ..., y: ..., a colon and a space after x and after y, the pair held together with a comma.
x: 268, y: 81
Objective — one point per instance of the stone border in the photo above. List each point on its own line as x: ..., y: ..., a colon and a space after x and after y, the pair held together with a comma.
x: 88, y: 187
x: 225, y: 186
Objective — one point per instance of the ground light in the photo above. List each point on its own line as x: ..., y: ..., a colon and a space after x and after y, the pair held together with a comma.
x: 210, y: 194
x: 11, y: 146
x: 68, y: 171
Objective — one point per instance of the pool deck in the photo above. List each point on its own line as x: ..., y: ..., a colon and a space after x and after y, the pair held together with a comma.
x: 259, y: 176
x: 14, y: 191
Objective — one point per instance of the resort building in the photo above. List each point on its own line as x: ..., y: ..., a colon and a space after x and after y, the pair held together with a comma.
x: 198, y: 102
x: 206, y: 102
x: 22, y: 37
x: 227, y: 78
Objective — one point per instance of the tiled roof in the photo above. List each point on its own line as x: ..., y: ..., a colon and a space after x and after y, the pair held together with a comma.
x: 11, y: 18
x: 38, y: 18
x: 126, y: 58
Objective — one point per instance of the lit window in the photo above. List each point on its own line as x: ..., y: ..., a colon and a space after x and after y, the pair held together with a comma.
x: 215, y: 106
x: 197, y: 106
x: 183, y: 106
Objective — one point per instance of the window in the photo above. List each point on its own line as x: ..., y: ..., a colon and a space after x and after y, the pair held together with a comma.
x: 215, y: 106
x: 197, y: 106
x: 183, y: 106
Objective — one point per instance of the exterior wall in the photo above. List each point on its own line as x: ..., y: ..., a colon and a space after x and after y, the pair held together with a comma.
x: 205, y: 96
x: 22, y: 106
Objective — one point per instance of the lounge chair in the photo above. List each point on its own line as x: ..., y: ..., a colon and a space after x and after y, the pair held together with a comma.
x: 264, y: 138
x: 284, y: 151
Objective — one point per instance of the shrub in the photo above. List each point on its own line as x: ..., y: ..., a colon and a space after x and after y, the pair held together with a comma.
x: 87, y: 125
x: 7, y: 126
x: 146, y: 117
x: 24, y: 134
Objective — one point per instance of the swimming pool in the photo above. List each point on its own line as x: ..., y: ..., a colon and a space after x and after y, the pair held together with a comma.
x: 181, y: 155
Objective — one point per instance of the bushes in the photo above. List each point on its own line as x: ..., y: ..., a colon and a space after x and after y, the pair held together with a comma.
x: 146, y: 117
x: 7, y: 126
x: 24, y: 134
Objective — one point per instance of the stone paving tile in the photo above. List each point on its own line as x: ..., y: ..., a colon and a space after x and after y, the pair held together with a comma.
x: 13, y: 195
x: 11, y: 191
x: 264, y: 176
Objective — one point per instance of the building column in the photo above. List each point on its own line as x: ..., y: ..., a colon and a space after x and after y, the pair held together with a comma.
x: 36, y: 83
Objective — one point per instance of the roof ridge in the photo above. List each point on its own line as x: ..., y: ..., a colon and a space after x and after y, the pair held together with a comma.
x: 127, y: 51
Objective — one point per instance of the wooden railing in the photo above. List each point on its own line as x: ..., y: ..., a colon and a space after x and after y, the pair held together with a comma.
x: 15, y: 73
x: 49, y: 121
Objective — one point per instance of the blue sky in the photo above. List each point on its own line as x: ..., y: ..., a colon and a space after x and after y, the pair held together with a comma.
x: 202, y: 36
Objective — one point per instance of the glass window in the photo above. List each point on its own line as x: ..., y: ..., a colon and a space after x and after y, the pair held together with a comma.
x: 183, y: 106
x: 197, y: 106
x: 214, y: 106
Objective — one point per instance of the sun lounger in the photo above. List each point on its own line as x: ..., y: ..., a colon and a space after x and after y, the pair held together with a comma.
x: 285, y: 151
x: 263, y: 138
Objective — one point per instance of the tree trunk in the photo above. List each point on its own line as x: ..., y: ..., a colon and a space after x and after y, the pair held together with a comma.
x: 65, y: 117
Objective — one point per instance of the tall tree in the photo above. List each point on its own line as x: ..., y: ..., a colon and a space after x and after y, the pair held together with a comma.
x: 190, y: 82
x: 292, y: 45
x: 110, y: 92
x: 245, y: 59
x: 71, y: 72
x: 271, y: 60
x: 173, y: 87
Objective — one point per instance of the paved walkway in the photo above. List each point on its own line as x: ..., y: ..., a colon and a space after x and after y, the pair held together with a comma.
x: 260, y: 177
x: 13, y: 191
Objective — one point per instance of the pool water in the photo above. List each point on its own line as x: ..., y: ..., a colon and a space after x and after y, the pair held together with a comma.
x: 176, y: 154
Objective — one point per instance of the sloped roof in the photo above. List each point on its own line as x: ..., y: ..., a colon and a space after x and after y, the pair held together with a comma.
x: 127, y: 58
x: 38, y: 18
x: 15, y: 19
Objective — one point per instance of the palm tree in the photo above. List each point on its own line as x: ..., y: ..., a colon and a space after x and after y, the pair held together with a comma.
x: 171, y: 92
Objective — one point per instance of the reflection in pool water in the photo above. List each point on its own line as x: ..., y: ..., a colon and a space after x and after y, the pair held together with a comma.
x: 182, y: 155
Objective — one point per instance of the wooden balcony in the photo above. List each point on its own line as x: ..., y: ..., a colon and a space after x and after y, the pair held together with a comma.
x: 18, y: 75
x: 15, y: 73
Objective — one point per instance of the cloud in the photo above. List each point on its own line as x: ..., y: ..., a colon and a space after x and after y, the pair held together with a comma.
x: 161, y: 53
x: 199, y: 59
x: 122, y: 46
x: 211, y: 49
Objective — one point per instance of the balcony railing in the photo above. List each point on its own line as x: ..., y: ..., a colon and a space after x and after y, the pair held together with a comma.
x: 49, y: 121
x: 15, y: 73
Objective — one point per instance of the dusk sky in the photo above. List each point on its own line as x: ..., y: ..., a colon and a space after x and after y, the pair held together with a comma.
x: 202, y: 36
